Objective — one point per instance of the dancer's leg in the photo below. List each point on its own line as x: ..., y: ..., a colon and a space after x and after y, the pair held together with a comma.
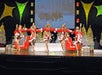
x: 33, y: 44
x: 46, y: 42
x: 63, y: 45
x: 18, y: 43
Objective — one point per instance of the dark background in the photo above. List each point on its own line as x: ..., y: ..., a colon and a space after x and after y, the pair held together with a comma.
x: 93, y: 20
x: 10, y: 22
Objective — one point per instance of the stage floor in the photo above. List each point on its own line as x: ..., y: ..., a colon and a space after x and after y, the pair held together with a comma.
x: 54, y: 50
x: 52, y: 53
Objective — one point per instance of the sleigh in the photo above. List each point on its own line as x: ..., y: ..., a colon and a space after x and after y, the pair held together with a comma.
x: 70, y: 46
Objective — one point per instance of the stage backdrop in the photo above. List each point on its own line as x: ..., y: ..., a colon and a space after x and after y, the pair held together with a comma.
x: 56, y: 12
x: 89, y: 14
x: 14, y: 12
x: 84, y: 13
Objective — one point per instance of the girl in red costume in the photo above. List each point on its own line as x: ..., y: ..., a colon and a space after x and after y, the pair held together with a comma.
x: 61, y: 38
x: 33, y: 31
x: 16, y: 32
x: 76, y: 45
x: 63, y: 30
x: 17, y: 36
x: 47, y: 35
x: 78, y: 35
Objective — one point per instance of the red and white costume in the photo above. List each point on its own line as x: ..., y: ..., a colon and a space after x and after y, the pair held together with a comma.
x: 47, y: 35
x: 78, y: 37
x: 25, y: 44
x: 33, y: 33
x: 70, y: 45
x: 19, y: 33
x: 63, y: 31
x: 16, y: 33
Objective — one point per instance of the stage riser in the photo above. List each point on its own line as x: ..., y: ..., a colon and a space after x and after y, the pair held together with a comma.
x: 50, y: 63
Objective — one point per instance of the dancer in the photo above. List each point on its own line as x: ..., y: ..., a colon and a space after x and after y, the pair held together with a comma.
x: 63, y: 30
x: 78, y: 39
x: 33, y: 31
x: 17, y: 36
x: 20, y: 31
x: 33, y: 35
x: 61, y: 38
x: 16, y: 32
x: 78, y: 35
x: 47, y: 35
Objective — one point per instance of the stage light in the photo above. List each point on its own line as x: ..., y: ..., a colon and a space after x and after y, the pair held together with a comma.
x: 77, y: 4
x: 32, y: 4
x: 31, y: 20
x: 77, y: 12
x: 31, y: 12
x: 77, y: 20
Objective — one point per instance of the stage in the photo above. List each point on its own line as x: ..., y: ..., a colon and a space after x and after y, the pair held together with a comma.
x: 70, y: 62
x: 55, y: 49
